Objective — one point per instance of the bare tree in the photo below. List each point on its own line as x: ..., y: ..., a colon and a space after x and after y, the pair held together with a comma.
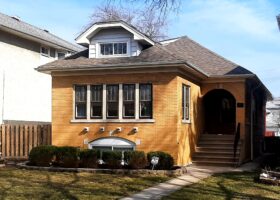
x: 151, y: 18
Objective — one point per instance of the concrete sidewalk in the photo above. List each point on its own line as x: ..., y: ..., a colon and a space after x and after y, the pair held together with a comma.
x: 194, y: 175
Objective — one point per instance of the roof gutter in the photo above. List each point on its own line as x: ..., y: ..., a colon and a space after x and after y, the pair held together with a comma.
x: 185, y: 66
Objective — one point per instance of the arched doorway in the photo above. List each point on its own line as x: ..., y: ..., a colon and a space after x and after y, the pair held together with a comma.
x: 219, y: 112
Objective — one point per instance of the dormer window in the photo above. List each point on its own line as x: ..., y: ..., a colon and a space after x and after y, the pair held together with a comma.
x: 117, y: 49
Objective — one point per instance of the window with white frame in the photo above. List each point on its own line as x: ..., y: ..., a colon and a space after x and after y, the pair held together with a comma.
x: 80, y: 101
x: 61, y: 55
x: 118, y: 48
x: 113, y: 102
x: 186, y: 102
x: 96, y: 101
x: 145, y: 100
x: 129, y: 100
x: 45, y: 51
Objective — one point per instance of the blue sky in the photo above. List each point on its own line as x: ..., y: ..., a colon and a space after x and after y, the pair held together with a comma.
x: 243, y: 31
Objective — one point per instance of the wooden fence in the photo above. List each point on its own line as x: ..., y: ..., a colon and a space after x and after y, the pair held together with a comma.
x: 18, y: 140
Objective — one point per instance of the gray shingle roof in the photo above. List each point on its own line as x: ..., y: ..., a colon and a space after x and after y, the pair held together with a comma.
x: 25, y: 28
x: 203, y: 58
x: 183, y: 50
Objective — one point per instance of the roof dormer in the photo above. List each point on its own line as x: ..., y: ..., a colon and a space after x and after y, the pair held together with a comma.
x: 113, y: 39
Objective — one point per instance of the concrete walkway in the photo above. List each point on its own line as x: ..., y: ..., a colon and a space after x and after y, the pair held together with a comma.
x: 194, y: 175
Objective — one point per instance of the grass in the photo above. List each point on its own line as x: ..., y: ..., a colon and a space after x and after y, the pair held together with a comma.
x: 25, y: 184
x: 239, y: 185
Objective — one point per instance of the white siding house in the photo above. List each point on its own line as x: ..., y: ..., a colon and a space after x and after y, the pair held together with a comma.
x: 25, y: 94
x: 273, y: 117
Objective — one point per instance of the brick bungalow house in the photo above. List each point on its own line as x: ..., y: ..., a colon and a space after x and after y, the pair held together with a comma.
x: 127, y: 92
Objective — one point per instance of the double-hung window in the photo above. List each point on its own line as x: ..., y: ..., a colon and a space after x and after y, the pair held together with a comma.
x: 80, y: 101
x: 186, y: 102
x: 145, y: 100
x: 96, y: 101
x: 129, y: 101
x: 119, y: 48
x: 112, y: 101
x: 45, y: 51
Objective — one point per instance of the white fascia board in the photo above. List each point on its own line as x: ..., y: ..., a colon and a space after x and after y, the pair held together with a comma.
x: 84, y: 38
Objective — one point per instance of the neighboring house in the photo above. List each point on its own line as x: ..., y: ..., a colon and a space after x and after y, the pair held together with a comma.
x: 127, y: 92
x: 25, y: 94
x: 273, y: 118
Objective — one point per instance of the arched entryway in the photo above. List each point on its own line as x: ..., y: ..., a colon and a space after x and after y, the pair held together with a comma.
x: 219, y: 112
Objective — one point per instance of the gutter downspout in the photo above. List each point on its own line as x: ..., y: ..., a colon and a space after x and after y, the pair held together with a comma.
x: 252, y: 132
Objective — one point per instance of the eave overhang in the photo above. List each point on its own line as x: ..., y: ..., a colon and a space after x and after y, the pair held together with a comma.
x: 34, y: 38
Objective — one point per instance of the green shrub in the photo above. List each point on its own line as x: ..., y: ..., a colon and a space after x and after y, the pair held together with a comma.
x: 112, y: 159
x: 135, y: 159
x: 67, y: 156
x: 42, y: 155
x: 165, y: 162
x: 89, y: 158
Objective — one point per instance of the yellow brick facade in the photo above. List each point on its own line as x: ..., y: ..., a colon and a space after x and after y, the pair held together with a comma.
x: 167, y: 133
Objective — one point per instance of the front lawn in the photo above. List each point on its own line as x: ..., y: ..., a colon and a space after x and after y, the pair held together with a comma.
x: 228, y: 186
x: 25, y: 184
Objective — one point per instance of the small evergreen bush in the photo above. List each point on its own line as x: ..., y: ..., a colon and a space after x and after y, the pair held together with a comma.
x: 89, y: 158
x: 42, y: 155
x: 135, y: 159
x: 112, y: 159
x: 67, y: 157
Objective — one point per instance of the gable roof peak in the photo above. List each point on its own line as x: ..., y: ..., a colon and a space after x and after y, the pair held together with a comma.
x: 84, y: 37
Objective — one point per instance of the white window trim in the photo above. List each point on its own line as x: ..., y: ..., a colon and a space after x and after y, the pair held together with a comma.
x: 108, y: 41
x: 104, y: 107
x: 43, y: 54
x: 184, y: 120
x: 57, y: 52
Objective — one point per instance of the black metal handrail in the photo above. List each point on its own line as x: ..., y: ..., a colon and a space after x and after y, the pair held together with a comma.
x: 236, y: 139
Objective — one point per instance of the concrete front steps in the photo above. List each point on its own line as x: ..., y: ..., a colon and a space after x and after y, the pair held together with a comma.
x: 216, y: 150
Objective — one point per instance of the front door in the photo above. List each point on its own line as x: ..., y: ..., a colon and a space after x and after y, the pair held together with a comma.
x: 219, y: 112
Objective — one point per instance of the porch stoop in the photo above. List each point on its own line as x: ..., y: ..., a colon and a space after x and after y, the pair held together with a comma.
x: 216, y: 150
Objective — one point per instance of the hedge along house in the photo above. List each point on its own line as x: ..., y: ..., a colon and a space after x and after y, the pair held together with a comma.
x: 127, y: 92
